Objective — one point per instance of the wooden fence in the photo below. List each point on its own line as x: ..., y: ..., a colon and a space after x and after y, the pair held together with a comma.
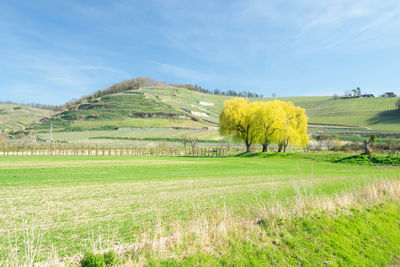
x: 62, y: 149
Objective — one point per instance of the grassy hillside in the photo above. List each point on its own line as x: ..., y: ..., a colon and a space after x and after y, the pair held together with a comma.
x: 180, y: 107
x: 16, y: 117
x: 148, y: 107
x: 375, y: 113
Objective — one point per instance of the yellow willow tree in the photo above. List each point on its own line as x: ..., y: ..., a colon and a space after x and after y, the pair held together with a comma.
x: 294, y: 127
x: 238, y: 119
x: 301, y: 127
x: 270, y: 117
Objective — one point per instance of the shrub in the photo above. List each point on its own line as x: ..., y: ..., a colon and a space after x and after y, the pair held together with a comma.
x: 352, y: 147
x: 73, y: 129
x: 68, y: 116
x: 99, y: 260
x: 356, y: 160
x: 336, y: 145
x: 388, y: 160
x: 104, y: 128
x: 91, y: 117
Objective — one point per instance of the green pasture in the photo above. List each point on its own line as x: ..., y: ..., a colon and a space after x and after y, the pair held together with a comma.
x: 97, y: 136
x: 71, y: 200
x: 374, y: 113
x: 138, y: 122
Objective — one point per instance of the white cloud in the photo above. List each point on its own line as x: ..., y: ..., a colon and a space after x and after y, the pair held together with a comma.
x: 183, y: 73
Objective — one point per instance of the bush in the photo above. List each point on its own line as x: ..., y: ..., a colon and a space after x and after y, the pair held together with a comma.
x: 104, y: 128
x: 388, y: 160
x: 353, y: 147
x: 336, y: 145
x: 357, y: 160
x: 99, y: 260
x: 91, y: 117
x: 68, y: 115
x: 371, y: 160
x: 73, y: 129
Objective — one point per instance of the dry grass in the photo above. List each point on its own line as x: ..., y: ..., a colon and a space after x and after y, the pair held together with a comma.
x: 208, y: 231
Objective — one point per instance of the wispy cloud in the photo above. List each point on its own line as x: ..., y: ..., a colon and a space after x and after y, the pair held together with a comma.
x: 342, y: 24
x: 182, y: 72
x: 67, y: 75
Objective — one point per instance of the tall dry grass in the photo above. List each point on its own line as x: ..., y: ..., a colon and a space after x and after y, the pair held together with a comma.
x: 208, y: 231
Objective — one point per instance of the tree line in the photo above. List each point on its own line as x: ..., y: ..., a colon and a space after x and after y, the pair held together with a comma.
x: 217, y: 91
x: 265, y: 123
x: 32, y: 105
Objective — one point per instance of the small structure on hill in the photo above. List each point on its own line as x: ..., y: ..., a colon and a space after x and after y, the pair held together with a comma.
x: 199, y: 114
x: 368, y: 95
x: 389, y: 94
x: 203, y: 103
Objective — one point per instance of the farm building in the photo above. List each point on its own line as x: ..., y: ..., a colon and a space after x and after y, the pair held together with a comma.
x: 203, y: 103
x: 389, y: 94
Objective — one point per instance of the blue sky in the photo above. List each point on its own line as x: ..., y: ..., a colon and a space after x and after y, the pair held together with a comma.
x: 53, y: 51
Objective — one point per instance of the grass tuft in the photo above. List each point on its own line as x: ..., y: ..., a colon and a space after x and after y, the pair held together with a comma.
x: 99, y: 260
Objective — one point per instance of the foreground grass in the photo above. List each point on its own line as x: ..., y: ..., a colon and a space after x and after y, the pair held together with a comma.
x: 65, y: 203
x: 337, y: 157
x: 365, y: 236
x: 351, y: 229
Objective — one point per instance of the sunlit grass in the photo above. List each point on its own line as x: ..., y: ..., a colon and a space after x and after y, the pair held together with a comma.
x: 70, y: 199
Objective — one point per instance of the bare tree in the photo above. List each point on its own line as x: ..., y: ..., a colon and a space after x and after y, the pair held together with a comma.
x: 193, y: 141
x: 369, y: 145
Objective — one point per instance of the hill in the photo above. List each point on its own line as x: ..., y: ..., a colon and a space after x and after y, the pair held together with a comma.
x: 14, y: 117
x: 144, y: 107
x: 174, y: 107
x: 377, y: 114
x: 126, y: 105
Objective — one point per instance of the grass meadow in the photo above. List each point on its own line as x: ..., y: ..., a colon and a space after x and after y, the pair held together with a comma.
x: 95, y: 136
x: 58, y: 206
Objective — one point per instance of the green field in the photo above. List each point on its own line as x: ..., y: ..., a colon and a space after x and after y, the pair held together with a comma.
x: 71, y: 201
x: 107, y: 136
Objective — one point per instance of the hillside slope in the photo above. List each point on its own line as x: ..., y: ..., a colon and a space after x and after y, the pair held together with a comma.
x: 145, y: 107
x: 378, y: 114
x: 180, y: 107
x: 15, y: 117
